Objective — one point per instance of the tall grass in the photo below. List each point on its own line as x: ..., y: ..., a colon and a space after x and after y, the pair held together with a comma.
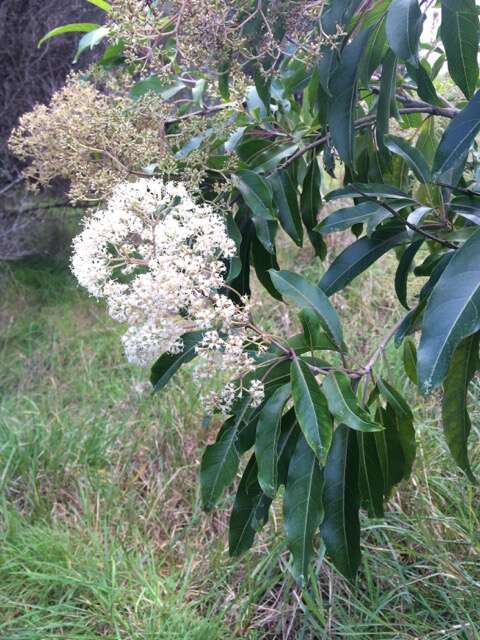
x: 101, y: 532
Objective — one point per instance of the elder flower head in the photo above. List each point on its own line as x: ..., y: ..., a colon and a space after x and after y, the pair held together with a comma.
x: 158, y: 260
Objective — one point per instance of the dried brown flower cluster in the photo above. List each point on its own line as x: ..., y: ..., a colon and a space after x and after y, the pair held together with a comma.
x: 203, y: 33
x: 91, y: 139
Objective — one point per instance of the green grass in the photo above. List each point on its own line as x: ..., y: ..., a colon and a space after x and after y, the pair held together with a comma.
x: 102, y: 535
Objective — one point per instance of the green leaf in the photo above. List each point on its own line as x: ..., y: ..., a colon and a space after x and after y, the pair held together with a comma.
x: 302, y: 507
x: 220, y: 460
x: 390, y: 450
x: 410, y: 359
x: 375, y: 51
x: 338, y: 12
x: 268, y: 435
x: 272, y: 157
x: 311, y: 199
x: 348, y: 216
x: 386, y: 97
x: 288, y: 441
x: 90, y: 40
x: 263, y: 261
x: 456, y: 421
x: 78, y: 27
x: 370, y: 476
x: 344, y: 405
x: 310, y: 203
x: 377, y: 190
x: 460, y: 36
x: 425, y: 87
x: 457, y: 138
x: 224, y: 80
x: 313, y: 338
x: 101, y: 4
x: 169, y: 363
x: 241, y: 283
x: 256, y: 192
x: 198, y: 92
x: 340, y: 529
x: 342, y: 104
x: 404, y: 268
x: 113, y: 55
x: 404, y: 424
x: 286, y: 201
x: 156, y: 85
x: 404, y: 27
x: 393, y: 397
x: 412, y: 156
x: 266, y: 231
x: 311, y: 409
x: 355, y: 259
x: 307, y: 296
x: 250, y: 511
x: 451, y: 314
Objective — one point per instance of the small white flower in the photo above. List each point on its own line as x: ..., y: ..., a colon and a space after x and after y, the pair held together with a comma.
x: 256, y: 391
x: 156, y: 257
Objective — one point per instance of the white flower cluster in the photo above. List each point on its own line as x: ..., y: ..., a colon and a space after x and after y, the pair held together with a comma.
x: 157, y: 258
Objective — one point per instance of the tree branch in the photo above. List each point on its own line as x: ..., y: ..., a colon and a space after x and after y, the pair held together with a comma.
x: 408, y: 224
x: 366, y: 121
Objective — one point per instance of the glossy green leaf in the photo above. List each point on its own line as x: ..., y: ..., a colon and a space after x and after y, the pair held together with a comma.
x: 256, y: 192
x: 377, y: 190
x: 393, y: 397
x: 311, y: 409
x: 460, y: 35
x: 343, y: 403
x: 425, y: 87
x: 404, y: 27
x: 348, y: 216
x: 250, y: 511
x: 390, y: 450
x: 403, y: 422
x: 338, y: 12
x: 266, y: 442
x: 314, y: 337
x: 412, y: 156
x: 456, y: 420
x: 90, y: 40
x: 386, y: 97
x: 457, y: 138
x: 286, y: 201
x: 101, y: 4
x: 302, y: 507
x: 375, y: 51
x: 371, y: 475
x: 310, y: 203
x: 290, y: 433
x: 403, y: 269
x: 271, y: 158
x: 263, y: 261
x: 340, y: 529
x: 155, y: 84
x: 169, y: 363
x: 78, y: 27
x: 355, y: 259
x: 410, y: 359
x: 220, y: 460
x: 311, y: 198
x: 308, y: 296
x: 241, y: 282
x: 224, y: 80
x: 451, y: 314
x: 342, y: 105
